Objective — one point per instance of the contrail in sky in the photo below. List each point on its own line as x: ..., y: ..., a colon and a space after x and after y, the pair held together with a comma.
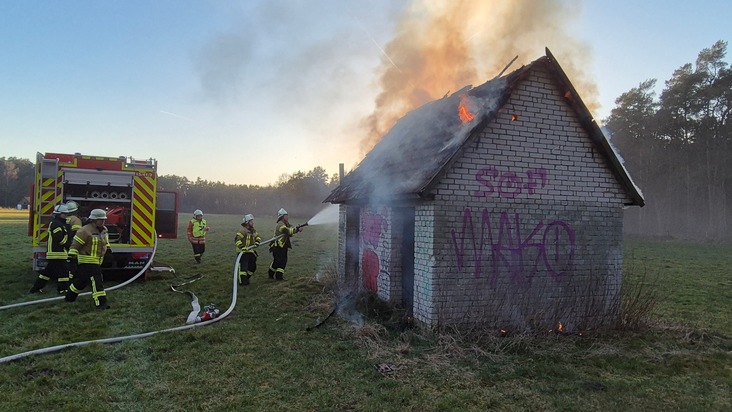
x: 174, y: 115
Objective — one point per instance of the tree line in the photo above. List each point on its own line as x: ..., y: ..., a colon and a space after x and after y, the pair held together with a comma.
x: 677, y: 146
x: 302, y: 193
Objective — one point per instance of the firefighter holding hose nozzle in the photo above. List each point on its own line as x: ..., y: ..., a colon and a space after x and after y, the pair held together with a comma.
x: 246, y: 240
x: 89, y: 246
x: 279, y: 246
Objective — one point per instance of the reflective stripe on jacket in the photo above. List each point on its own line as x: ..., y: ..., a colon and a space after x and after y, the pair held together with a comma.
x: 90, y: 244
x: 58, y: 238
x: 246, y: 238
x: 285, y: 229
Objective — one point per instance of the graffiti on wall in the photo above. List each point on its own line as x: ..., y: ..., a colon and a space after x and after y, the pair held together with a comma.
x: 374, y: 227
x: 502, y: 243
x: 508, y: 184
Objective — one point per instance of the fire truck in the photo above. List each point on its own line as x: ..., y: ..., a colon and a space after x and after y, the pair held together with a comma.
x: 124, y: 187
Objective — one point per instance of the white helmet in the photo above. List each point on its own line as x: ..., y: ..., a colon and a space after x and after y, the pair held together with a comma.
x: 281, y: 213
x: 97, y: 214
x: 72, y: 206
x: 248, y: 218
x: 197, y: 212
x: 60, y: 209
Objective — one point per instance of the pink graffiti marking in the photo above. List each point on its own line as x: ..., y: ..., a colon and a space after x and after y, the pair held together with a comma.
x: 374, y: 225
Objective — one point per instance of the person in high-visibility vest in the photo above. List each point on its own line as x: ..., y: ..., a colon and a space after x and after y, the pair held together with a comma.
x: 88, y: 248
x: 280, y: 246
x: 246, y: 240
x: 56, y: 265
x: 197, y: 229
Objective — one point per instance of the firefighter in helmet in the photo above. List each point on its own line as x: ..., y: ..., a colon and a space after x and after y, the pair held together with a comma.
x: 58, y: 242
x: 72, y: 218
x: 246, y: 240
x: 89, y: 246
x: 197, y: 229
x: 74, y: 223
x: 279, y: 246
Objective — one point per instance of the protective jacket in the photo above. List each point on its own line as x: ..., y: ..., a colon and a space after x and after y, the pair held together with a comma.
x: 285, y: 229
x: 58, y: 239
x: 90, y: 244
x: 246, y: 238
x: 74, y: 223
x: 197, y: 231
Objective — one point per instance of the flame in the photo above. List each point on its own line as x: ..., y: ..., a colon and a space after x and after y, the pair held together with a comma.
x: 463, y: 112
x: 560, y: 328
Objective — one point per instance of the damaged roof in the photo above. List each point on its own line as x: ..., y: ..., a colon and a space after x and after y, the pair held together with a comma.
x: 409, y: 159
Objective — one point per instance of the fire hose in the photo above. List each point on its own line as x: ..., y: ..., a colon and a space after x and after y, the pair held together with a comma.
x: 125, y: 283
x: 210, y: 321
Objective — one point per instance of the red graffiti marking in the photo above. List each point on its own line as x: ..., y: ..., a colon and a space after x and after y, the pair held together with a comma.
x: 370, y: 265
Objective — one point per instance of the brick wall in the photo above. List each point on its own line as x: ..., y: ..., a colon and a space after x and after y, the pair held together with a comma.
x: 526, y: 224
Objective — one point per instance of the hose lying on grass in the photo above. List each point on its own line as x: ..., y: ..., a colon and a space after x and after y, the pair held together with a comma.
x: 146, y: 334
x: 125, y: 283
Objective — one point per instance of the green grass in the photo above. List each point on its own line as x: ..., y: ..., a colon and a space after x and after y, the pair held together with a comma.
x: 261, y: 358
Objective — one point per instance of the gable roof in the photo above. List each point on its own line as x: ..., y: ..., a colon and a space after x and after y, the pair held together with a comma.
x: 410, y: 158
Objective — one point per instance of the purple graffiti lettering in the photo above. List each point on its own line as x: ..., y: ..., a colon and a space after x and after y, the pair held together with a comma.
x: 559, y: 241
x: 477, y: 248
x: 547, y: 248
x: 480, y: 177
x: 509, y: 185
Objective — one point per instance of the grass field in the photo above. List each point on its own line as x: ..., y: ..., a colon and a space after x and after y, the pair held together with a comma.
x: 261, y: 358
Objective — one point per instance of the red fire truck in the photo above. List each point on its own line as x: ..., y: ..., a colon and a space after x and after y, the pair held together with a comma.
x: 125, y: 188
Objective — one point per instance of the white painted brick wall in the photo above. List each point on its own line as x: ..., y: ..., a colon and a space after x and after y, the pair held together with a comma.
x: 532, y: 271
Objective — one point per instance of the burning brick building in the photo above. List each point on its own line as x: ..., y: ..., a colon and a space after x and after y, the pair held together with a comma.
x: 499, y: 205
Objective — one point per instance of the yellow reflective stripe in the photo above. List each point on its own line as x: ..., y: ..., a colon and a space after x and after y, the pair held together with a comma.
x: 79, y: 240
x: 56, y: 255
x: 94, y: 250
x: 92, y: 260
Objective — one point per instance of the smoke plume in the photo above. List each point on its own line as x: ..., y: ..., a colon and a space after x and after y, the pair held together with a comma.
x: 440, y: 47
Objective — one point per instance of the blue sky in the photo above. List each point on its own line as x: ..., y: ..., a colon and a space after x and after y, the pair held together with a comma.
x: 244, y: 92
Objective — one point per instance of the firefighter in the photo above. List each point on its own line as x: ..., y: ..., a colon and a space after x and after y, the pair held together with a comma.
x: 279, y: 246
x: 58, y: 243
x: 246, y: 240
x: 72, y: 218
x: 88, y: 248
x: 197, y: 229
x: 74, y: 223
